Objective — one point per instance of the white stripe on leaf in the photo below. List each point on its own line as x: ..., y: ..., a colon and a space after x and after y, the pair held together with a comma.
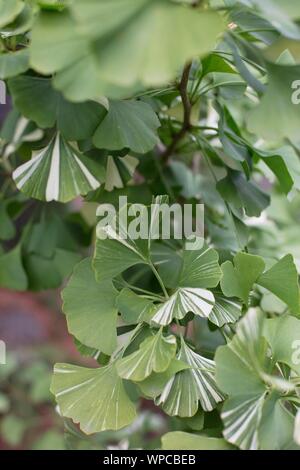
x: 195, y: 300
x: 184, y: 391
x: 58, y: 172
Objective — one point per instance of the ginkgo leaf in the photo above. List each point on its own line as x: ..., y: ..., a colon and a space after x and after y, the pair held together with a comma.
x: 134, y: 308
x: 58, y: 172
x: 282, y: 280
x: 241, y: 417
x: 128, y: 124
x: 94, y: 398
x: 154, y: 355
x: 12, y: 273
x: 119, y: 247
x: 55, y: 32
x: 116, y: 251
x: 183, y: 392
x: 192, y: 299
x: 17, y: 130
x: 243, y: 194
x: 277, y: 425
x: 36, y: 99
x: 7, y: 226
x: 151, y: 25
x: 90, y: 309
x: 225, y: 311
x: 283, y: 335
x: 119, y: 170
x: 277, y: 116
x: 239, y: 276
x: 200, y: 267
x: 9, y: 10
x: 245, y: 357
x: 13, y: 63
x: 153, y: 385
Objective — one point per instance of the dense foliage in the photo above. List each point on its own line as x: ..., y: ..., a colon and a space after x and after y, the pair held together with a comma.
x: 185, y: 101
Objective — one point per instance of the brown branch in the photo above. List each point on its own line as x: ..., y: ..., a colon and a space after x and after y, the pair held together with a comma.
x: 187, y: 113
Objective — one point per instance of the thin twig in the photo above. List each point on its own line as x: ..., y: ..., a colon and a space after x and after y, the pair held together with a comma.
x: 183, y: 85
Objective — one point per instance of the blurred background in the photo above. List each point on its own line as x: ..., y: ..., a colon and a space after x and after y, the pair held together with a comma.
x: 36, y: 337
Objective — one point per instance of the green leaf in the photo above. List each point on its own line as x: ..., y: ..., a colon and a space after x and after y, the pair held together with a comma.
x: 239, y: 276
x: 9, y: 11
x: 184, y: 300
x: 7, y: 227
x: 12, y: 274
x: 58, y: 172
x: 241, y: 417
x: 37, y: 100
x: 153, y: 385
x: 179, y: 440
x: 90, y: 309
x: 225, y: 311
x: 115, y: 250
x: 182, y: 393
x: 13, y: 63
x: 255, y: 397
x: 240, y: 193
x: 277, y: 117
x: 242, y: 358
x: 282, y: 280
x: 128, y: 124
x: 134, y: 308
x: 200, y: 267
x: 119, y: 170
x: 283, y: 335
x: 154, y: 355
x: 277, y: 425
x: 94, y: 398
x: 151, y: 25
x: 21, y: 24
x: 55, y: 42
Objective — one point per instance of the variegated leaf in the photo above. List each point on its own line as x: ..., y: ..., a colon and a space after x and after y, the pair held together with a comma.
x: 94, y: 398
x: 241, y: 417
x: 58, y: 172
x: 196, y: 300
x: 119, y: 170
x: 182, y: 393
x: 225, y: 311
x: 154, y: 355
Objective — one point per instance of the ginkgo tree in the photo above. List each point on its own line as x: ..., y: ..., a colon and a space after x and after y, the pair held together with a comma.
x: 161, y: 100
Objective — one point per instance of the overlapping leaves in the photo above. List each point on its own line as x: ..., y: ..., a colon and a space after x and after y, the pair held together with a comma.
x: 259, y: 397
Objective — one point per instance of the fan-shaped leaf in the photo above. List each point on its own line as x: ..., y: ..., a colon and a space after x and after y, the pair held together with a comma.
x: 94, y: 398
x: 225, y: 311
x: 58, y: 172
x: 128, y: 124
x: 198, y: 301
x: 90, y: 309
x: 183, y: 392
x: 154, y: 355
